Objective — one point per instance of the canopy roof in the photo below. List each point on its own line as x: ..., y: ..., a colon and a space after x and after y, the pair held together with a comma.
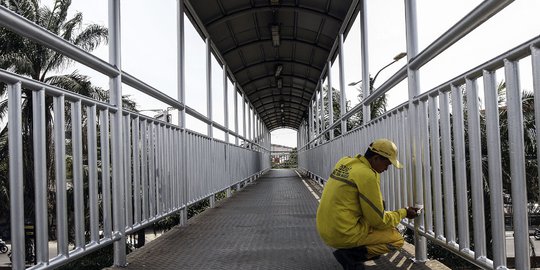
x: 276, y: 49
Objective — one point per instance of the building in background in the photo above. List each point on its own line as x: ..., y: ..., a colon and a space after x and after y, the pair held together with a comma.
x: 283, y: 156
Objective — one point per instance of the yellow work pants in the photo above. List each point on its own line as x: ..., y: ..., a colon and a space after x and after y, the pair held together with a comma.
x: 380, y: 242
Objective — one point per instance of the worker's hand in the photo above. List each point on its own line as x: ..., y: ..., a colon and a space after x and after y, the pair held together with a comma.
x: 412, y: 212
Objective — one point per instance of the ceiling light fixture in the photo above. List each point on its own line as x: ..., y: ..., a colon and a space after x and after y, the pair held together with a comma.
x: 279, y: 68
x: 275, y: 35
x: 274, y: 2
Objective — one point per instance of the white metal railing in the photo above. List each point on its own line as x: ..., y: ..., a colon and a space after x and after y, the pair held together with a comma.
x: 154, y: 185
x: 453, y: 149
x: 452, y: 187
x: 127, y: 170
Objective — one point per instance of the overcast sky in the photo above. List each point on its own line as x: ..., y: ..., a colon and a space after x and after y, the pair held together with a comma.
x: 149, y: 48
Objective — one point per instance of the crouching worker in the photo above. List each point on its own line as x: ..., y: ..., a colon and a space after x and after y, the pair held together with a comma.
x: 351, y: 216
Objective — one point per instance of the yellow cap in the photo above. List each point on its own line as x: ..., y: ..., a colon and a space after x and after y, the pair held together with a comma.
x: 387, y: 149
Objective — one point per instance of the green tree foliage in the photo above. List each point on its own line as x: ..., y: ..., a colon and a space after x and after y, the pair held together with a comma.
x: 28, y: 58
x: 377, y: 108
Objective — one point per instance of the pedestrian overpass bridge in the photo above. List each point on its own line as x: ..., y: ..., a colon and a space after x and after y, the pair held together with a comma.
x: 88, y: 173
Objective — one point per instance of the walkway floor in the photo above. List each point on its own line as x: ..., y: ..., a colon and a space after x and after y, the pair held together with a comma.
x: 270, y: 224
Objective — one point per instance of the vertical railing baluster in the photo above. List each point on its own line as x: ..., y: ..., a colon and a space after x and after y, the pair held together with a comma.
x: 92, y: 173
x: 78, y: 181
x: 105, y: 172
x: 460, y: 168
x: 128, y: 200
x: 403, y: 172
x: 40, y: 175
x: 152, y: 166
x: 475, y: 156
x: 136, y: 170
x: 159, y: 169
x: 493, y: 140
x: 177, y: 164
x: 448, y: 176
x: 15, y: 175
x: 168, y: 158
x: 60, y: 169
x: 392, y: 187
x: 426, y: 161
x: 144, y: 168
x: 436, y: 165
x: 517, y: 165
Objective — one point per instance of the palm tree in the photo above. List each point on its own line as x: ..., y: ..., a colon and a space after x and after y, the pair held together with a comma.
x: 377, y: 108
x: 529, y: 136
x: 27, y: 58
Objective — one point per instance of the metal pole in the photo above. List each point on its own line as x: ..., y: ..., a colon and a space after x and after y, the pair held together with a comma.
x: 414, y: 90
x: 343, y: 101
x: 459, y: 165
x: 40, y: 175
x: 310, y: 123
x: 322, y: 107
x: 181, y: 63
x: 517, y: 165
x: 226, y: 102
x: 366, y: 111
x: 182, y: 113
x: 436, y: 166
x: 15, y: 175
x: 475, y: 155
x: 535, y: 55
x: 495, y: 173
x: 317, y: 116
x: 448, y: 175
x: 236, y: 112
x: 116, y: 134
x: 330, y: 99
x: 244, y: 116
x: 209, y: 86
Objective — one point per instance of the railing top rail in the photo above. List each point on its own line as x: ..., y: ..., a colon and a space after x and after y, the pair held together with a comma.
x: 519, y: 52
x: 33, y: 85
x: 41, y: 35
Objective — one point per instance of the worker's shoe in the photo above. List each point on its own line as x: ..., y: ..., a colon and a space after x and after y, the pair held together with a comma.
x: 348, y: 260
x: 353, y: 258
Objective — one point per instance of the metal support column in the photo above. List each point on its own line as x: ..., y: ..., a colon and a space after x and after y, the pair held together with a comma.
x: 244, y: 117
x: 209, y: 86
x: 226, y: 102
x: 343, y: 101
x: 236, y: 113
x: 182, y: 112
x: 117, y: 135
x: 366, y: 110
x: 329, y: 92
x: 414, y: 90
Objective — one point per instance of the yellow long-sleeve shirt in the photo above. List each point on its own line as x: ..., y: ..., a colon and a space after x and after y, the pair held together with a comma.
x: 352, y: 205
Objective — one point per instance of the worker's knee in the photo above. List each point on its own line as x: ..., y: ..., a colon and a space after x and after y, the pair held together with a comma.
x: 398, y: 243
